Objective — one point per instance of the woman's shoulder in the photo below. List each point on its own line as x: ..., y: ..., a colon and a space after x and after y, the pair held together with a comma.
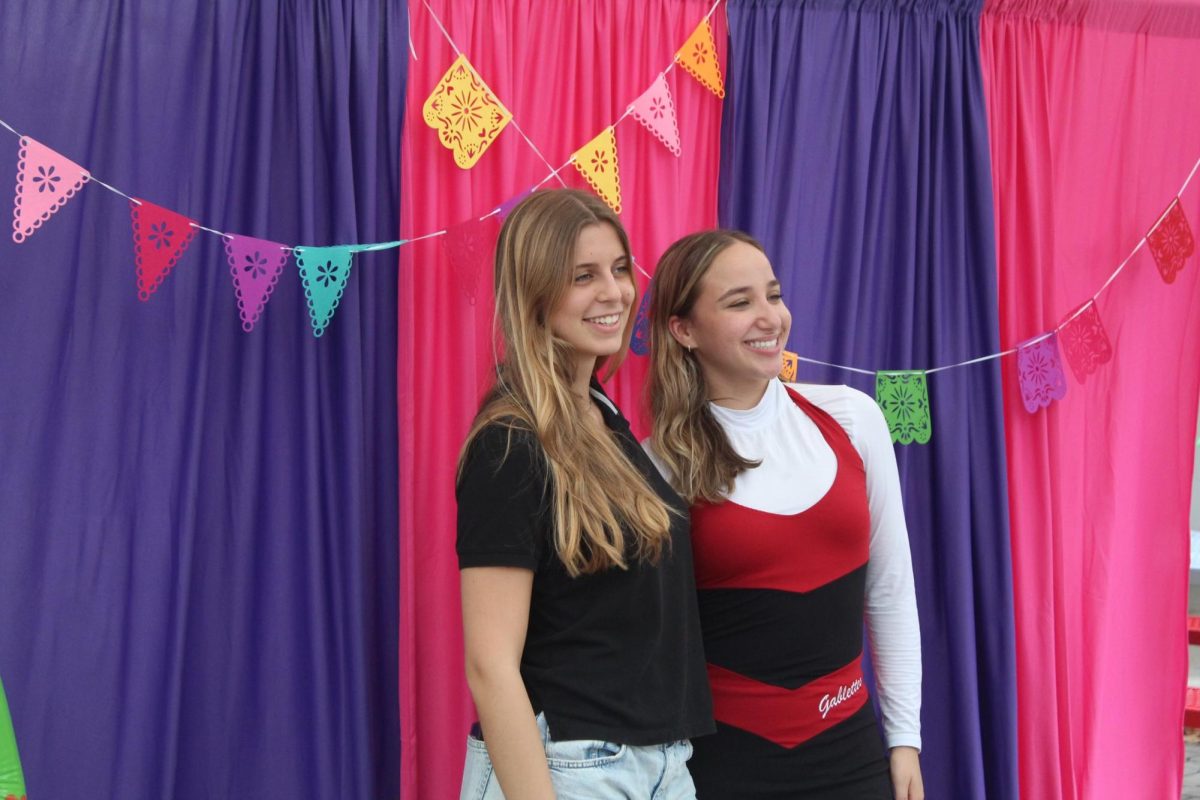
x: 503, y: 445
x: 855, y: 410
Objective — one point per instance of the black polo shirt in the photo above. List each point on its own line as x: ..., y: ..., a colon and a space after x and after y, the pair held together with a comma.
x: 614, y: 655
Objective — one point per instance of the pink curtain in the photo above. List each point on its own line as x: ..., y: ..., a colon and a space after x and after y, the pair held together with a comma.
x: 565, y: 70
x: 1095, y: 124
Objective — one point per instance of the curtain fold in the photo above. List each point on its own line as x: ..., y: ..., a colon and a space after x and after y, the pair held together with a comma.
x: 565, y: 71
x: 855, y: 147
x: 1094, y: 128
x: 198, y: 524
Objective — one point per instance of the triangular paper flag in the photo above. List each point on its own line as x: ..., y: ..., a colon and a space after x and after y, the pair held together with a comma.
x: 1084, y: 341
x: 45, y: 182
x: 639, y: 343
x: 159, y: 238
x: 465, y: 113
x: 469, y: 246
x: 699, y: 57
x: 904, y: 399
x: 12, y: 780
x: 508, y: 205
x: 324, y: 271
x: 1171, y: 242
x: 790, y: 363
x: 1041, y: 373
x: 255, y: 265
x: 656, y: 110
x: 597, y: 163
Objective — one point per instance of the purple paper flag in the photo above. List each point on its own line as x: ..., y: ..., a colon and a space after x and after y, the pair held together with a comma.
x: 255, y: 265
x: 508, y: 205
x: 639, y: 343
x: 1041, y: 373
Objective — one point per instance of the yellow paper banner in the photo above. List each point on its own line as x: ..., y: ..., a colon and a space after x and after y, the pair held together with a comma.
x: 597, y: 163
x: 465, y: 113
x: 699, y: 57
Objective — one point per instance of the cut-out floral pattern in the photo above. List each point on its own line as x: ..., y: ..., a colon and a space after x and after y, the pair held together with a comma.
x: 1085, y: 342
x: 1041, y: 373
x: 1171, y: 242
x: 465, y: 113
x: 904, y: 399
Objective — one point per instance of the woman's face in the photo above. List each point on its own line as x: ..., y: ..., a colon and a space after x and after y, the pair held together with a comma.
x: 592, y: 315
x: 738, y: 325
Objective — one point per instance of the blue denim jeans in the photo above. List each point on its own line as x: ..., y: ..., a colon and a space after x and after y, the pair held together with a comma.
x: 585, y: 769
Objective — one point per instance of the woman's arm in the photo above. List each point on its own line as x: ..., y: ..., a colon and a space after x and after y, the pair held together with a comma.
x: 495, y: 605
x: 891, y: 602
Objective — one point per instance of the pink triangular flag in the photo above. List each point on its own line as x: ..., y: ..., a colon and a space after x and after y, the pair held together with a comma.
x: 469, y: 245
x: 45, y: 182
x: 255, y: 265
x: 656, y: 110
x: 159, y: 238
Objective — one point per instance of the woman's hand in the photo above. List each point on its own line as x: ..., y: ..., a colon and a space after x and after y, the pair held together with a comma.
x: 906, y: 774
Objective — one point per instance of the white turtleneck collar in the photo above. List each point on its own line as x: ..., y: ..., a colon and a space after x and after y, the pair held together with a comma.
x: 760, y: 416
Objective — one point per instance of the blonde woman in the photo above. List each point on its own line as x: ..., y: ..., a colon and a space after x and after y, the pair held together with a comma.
x: 798, y: 532
x: 579, y: 607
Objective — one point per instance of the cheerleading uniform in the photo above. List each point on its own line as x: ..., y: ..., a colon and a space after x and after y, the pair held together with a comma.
x: 805, y: 546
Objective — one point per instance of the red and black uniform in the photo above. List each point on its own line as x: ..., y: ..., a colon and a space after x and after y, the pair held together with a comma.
x: 781, y: 610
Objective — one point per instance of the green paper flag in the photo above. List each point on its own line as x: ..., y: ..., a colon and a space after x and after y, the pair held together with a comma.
x: 12, y: 780
x: 904, y: 398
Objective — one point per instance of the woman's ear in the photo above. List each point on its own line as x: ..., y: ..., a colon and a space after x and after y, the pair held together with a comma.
x: 681, y: 330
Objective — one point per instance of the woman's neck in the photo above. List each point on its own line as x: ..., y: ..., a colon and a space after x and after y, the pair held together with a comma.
x: 581, y: 382
x: 737, y: 396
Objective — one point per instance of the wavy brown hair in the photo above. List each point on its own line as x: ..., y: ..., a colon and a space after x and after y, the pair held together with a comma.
x: 686, y: 435
x: 597, y: 494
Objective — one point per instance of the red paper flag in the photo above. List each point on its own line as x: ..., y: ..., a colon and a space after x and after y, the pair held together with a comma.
x: 159, y: 238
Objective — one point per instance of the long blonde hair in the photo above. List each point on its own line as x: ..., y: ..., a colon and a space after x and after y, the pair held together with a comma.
x: 686, y: 435
x: 594, y: 487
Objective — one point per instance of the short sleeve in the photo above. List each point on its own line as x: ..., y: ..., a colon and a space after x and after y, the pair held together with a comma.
x: 503, y: 501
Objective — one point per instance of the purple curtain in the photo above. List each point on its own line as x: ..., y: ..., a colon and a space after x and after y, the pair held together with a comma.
x: 198, y: 525
x: 855, y: 146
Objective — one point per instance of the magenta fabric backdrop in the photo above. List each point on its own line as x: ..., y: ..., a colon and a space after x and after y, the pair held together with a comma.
x: 565, y: 70
x: 1095, y: 124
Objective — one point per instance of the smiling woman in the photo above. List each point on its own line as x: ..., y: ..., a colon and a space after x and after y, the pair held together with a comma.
x: 579, y: 602
x: 799, y: 533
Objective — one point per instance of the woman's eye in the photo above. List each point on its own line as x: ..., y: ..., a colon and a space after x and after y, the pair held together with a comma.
x: 775, y: 298
x: 620, y: 269
x: 739, y: 303
x: 583, y: 277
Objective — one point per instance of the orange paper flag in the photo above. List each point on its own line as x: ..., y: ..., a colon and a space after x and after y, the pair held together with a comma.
x: 699, y: 57
x: 788, y: 370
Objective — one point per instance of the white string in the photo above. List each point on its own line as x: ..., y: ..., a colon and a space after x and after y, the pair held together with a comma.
x: 112, y: 189
x: 831, y: 364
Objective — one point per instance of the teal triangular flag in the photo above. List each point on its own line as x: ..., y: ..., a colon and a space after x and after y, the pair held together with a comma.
x: 12, y: 780
x: 324, y: 271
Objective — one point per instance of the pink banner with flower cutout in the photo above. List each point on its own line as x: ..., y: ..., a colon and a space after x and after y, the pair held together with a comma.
x: 45, y: 182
